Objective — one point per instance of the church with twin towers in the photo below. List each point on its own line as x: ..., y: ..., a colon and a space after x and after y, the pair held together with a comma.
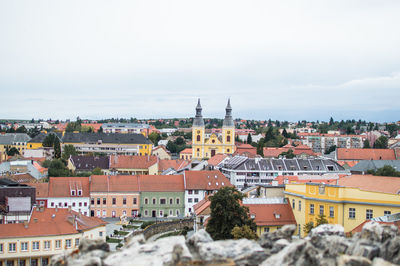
x: 204, y: 147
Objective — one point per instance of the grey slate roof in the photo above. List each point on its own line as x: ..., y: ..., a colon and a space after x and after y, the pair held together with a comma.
x: 365, y: 165
x: 10, y: 138
x: 127, y: 125
x: 228, y: 120
x: 198, y: 120
x: 39, y: 138
x: 89, y: 163
x: 256, y: 164
x: 105, y: 138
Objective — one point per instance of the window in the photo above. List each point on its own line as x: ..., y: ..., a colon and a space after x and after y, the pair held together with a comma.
x: 331, y: 211
x: 163, y: 201
x: 266, y: 229
x: 190, y: 192
x: 227, y: 150
x: 171, y: 201
x: 134, y: 201
x: 104, y: 201
x: 352, y: 213
x: 154, y: 201
x: 311, y: 208
x: 104, y: 213
x: 161, y: 214
x: 35, y: 245
x: 67, y: 243
x: 58, y: 244
x: 190, y: 200
x: 198, y: 138
x: 228, y: 138
x: 1, y: 248
x: 369, y: 214
x: 80, y: 204
x: 12, y: 247
x: 321, y: 209
x: 177, y: 212
x: 73, y: 204
x: 114, y: 201
x: 45, y: 261
x: 387, y: 213
x: 79, y: 192
x: 196, y: 200
x: 196, y: 192
x: 21, y: 262
x: 72, y: 192
x: 24, y: 246
x: 47, y: 244
x: 124, y: 201
x: 299, y: 205
x: 146, y: 213
x: 76, y: 242
x: 85, y: 204
x: 293, y: 204
x: 98, y: 201
x: 65, y: 204
x: 52, y: 204
x: 146, y: 201
x: 100, y: 233
x: 92, y: 201
x: 177, y: 200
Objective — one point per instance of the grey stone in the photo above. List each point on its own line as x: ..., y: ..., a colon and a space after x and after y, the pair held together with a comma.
x: 267, y: 240
x: 372, y: 231
x: 200, y: 236
x: 363, y: 248
x: 327, y: 230
x: 381, y: 262
x: 164, y: 251
x: 242, y: 251
x: 87, y: 245
x: 346, y: 260
x: 390, y: 250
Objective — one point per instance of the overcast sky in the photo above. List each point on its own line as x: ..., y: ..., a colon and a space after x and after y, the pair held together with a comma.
x: 286, y: 60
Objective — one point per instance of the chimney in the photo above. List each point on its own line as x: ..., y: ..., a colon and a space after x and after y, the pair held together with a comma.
x: 35, y: 220
x: 56, y: 208
x: 26, y: 223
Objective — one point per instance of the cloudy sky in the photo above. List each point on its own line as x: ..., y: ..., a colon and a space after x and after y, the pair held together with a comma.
x: 287, y: 60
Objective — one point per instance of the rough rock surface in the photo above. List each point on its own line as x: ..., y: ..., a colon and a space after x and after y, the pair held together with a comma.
x: 376, y: 245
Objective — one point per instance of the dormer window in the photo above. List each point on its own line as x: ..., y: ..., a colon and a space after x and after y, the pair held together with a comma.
x: 277, y: 215
x: 79, y: 192
x: 72, y: 192
x: 252, y: 216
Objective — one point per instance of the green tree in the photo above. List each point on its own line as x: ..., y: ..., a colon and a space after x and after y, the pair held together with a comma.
x: 68, y: 150
x: 260, y: 147
x: 97, y: 171
x: 171, y: 146
x: 386, y: 170
x: 381, y: 143
x: 249, y: 139
x: 366, y: 144
x: 331, y: 121
x: 330, y: 149
x: 49, y: 140
x: 308, y: 227
x: 239, y: 232
x: 58, y: 168
x: 392, y: 129
x: 57, y: 148
x: 321, y: 220
x: 21, y: 129
x: 284, y: 133
x: 154, y: 137
x: 12, y: 151
x: 288, y: 154
x: 180, y: 141
x: 226, y: 213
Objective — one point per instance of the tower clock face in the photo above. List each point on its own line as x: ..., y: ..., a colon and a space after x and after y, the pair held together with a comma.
x: 228, y: 132
x: 198, y: 131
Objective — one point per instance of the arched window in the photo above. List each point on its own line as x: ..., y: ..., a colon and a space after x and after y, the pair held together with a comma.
x: 228, y: 138
x: 198, y: 137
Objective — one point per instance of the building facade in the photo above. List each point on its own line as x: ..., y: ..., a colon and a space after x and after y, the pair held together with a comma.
x: 207, y: 147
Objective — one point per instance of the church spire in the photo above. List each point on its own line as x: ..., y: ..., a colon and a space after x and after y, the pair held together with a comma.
x: 228, y: 121
x: 198, y: 120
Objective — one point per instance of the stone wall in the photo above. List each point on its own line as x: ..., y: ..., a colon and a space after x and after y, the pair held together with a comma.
x: 161, y: 227
x: 325, y: 245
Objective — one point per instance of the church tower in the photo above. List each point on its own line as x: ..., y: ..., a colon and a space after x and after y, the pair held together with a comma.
x: 228, y: 131
x: 198, y: 134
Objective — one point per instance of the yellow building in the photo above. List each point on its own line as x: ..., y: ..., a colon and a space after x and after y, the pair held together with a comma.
x: 49, y: 232
x: 203, y: 147
x: 353, y: 200
x: 12, y: 140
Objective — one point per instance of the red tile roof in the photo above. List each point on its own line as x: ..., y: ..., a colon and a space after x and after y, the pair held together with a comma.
x: 42, y: 189
x: 61, y: 186
x: 216, y: 159
x: 132, y: 161
x: 273, y: 152
x: 245, y: 149
x: 114, y: 183
x: 349, y: 163
x: 96, y: 126
x: 365, y: 154
x: 176, y: 164
x: 267, y: 214
x: 161, y: 183
x: 50, y: 222
x: 331, y: 179
x: 201, y: 206
x: 373, y: 183
x: 186, y: 151
x: 205, y: 180
x: 21, y: 178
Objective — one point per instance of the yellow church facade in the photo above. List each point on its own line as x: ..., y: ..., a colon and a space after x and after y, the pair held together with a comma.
x: 203, y: 147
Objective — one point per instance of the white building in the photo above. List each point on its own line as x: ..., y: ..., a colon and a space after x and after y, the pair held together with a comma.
x: 199, y: 184
x: 126, y: 128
